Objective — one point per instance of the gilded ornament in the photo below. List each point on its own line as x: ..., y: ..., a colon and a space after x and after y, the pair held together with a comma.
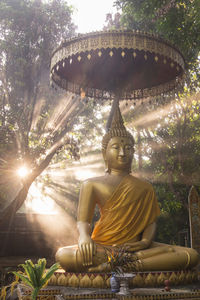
x: 161, y: 278
x: 94, y: 42
x: 105, y: 41
x: 134, y: 54
x: 108, y: 282
x: 139, y: 42
x: 132, y: 42
x: 138, y: 281
x: 84, y: 44
x: 73, y: 281
x: 53, y: 280
x: 75, y: 47
x: 62, y: 280
x: 92, y: 276
x: 117, y: 41
x: 173, y: 279
x: 182, y: 277
x: 194, y: 276
x: 188, y: 277
x: 98, y: 282
x: 85, y: 281
x: 111, y: 53
x: 128, y: 41
x: 89, y: 56
x: 150, y: 280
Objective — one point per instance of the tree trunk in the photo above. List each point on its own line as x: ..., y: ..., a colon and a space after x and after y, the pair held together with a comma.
x: 6, y: 217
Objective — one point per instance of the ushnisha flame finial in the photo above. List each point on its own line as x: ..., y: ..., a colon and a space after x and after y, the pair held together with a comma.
x: 115, y: 126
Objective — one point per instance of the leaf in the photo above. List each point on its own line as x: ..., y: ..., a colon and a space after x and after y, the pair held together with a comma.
x: 14, y: 284
x: 25, y: 279
x: 31, y: 272
x: 49, y: 273
x: 42, y: 262
x: 35, y: 293
x: 3, y: 293
x: 25, y: 267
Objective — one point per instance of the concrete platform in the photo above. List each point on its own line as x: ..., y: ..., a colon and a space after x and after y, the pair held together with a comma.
x: 65, y: 293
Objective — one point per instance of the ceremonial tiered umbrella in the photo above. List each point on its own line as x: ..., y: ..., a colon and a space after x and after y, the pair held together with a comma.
x: 130, y: 64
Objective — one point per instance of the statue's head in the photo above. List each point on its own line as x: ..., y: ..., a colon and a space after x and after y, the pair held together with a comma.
x: 118, y: 144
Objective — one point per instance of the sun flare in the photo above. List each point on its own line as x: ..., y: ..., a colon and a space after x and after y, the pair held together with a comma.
x: 23, y: 171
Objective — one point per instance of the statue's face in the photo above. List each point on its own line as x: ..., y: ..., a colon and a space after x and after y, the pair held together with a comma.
x: 119, y: 153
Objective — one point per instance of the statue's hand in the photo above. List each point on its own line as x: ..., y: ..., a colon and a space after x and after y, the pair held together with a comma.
x: 87, y: 248
x: 136, y: 246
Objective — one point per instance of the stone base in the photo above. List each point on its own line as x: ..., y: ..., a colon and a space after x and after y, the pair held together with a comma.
x: 142, y: 279
x: 65, y: 293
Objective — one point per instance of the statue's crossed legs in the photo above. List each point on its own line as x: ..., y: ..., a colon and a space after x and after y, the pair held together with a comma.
x: 159, y: 257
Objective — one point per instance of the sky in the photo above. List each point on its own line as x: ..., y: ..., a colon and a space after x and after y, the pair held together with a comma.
x: 90, y: 15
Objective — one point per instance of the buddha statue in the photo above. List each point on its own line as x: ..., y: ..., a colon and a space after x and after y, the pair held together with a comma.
x: 128, y: 212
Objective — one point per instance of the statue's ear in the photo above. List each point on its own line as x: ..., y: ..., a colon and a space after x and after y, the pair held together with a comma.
x: 105, y: 160
x: 104, y: 155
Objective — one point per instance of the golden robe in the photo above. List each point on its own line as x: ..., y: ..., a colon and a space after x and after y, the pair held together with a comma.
x: 130, y: 209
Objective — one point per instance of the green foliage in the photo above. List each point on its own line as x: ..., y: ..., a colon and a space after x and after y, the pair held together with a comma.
x: 35, y: 275
x: 174, y: 214
x: 33, y: 125
x: 179, y: 143
x: 177, y: 21
x: 29, y: 32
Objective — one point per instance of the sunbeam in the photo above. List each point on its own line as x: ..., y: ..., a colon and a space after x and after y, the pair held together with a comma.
x: 38, y: 202
x: 66, y: 106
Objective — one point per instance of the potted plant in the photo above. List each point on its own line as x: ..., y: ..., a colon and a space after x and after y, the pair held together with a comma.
x: 35, y: 275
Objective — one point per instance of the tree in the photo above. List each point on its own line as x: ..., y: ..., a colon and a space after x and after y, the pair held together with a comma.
x: 176, y: 21
x: 29, y: 134
x: 112, y: 21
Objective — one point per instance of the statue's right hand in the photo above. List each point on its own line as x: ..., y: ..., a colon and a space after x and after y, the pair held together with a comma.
x: 87, y: 248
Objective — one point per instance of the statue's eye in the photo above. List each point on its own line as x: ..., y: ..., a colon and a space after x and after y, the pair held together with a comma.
x: 128, y: 147
x: 115, y: 146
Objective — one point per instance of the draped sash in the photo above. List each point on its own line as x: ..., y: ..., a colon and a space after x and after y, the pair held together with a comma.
x: 125, y: 215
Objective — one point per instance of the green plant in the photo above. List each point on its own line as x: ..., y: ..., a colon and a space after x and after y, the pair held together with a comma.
x: 35, y: 275
x: 3, y: 290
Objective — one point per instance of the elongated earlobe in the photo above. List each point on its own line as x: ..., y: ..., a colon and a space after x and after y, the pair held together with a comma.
x: 106, y: 166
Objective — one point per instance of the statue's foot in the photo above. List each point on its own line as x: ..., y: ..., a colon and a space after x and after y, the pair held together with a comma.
x: 105, y: 267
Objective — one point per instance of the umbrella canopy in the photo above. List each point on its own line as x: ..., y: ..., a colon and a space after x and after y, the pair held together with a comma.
x: 131, y: 64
